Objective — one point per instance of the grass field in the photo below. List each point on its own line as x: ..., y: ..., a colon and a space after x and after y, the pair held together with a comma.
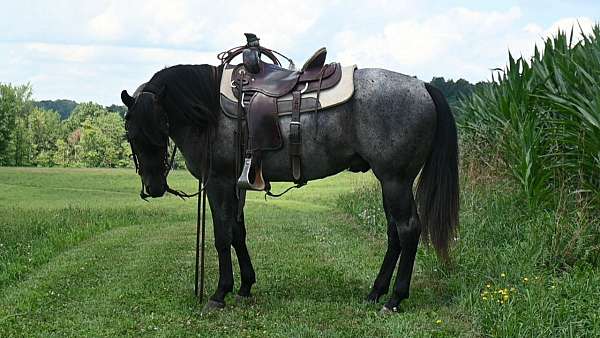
x: 80, y: 254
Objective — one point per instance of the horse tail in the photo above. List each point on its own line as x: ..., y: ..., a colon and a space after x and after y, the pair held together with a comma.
x: 438, y: 187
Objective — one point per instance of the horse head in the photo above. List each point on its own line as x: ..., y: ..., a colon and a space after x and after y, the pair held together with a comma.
x: 147, y: 128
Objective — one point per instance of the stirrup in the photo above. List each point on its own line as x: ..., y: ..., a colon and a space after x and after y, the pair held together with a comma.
x: 244, y: 182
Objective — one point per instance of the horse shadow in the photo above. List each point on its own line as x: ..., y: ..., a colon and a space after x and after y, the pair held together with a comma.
x: 323, y: 285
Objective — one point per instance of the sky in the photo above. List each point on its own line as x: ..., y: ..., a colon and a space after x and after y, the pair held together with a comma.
x: 91, y: 50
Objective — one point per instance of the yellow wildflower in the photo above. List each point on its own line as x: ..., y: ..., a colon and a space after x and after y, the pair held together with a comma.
x: 503, y: 275
x: 439, y: 321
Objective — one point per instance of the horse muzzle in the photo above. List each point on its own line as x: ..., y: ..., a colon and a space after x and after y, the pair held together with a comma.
x: 155, y: 187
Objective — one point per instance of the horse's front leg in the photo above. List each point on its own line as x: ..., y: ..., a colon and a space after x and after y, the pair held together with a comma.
x: 222, y: 210
x: 248, y: 276
x: 228, y: 231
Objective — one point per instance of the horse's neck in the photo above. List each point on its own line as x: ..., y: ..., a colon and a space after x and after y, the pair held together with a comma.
x: 191, y: 145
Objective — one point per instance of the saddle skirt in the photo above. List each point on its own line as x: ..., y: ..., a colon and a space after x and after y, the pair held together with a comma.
x: 334, y: 96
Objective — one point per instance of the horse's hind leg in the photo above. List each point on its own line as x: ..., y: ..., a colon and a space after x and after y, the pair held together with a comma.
x: 400, y: 204
x: 248, y: 276
x: 382, y: 282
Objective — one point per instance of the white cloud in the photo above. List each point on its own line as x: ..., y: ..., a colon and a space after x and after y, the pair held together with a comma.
x: 203, y: 24
x: 411, y: 45
x: 89, y: 72
x: 578, y: 24
x: 107, y: 25
x: 60, y: 52
x: 458, y: 43
x: 522, y: 42
x: 91, y: 50
x: 278, y: 22
x: 150, y: 22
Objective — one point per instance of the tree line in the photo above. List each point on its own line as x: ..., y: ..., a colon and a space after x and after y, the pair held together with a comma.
x: 80, y: 135
x: 455, y: 90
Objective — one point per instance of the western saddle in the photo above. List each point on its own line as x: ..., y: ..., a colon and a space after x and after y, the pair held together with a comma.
x: 260, y: 88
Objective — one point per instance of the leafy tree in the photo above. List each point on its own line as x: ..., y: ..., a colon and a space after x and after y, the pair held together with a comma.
x: 82, y: 112
x: 102, y: 140
x: 92, y: 135
x: 15, y: 104
x: 21, y: 146
x: 63, y: 107
x: 63, y: 153
x: 7, y: 119
x: 45, y: 129
x: 454, y: 91
x: 117, y: 109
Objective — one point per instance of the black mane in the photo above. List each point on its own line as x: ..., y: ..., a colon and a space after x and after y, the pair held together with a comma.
x: 192, y: 90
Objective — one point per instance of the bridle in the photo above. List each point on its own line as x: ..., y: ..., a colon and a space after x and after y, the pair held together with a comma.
x: 168, y: 167
x: 168, y: 163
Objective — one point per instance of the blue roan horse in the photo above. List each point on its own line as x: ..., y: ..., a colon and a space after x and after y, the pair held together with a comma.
x: 393, y: 124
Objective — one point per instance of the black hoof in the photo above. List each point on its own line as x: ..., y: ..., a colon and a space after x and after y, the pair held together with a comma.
x: 372, y: 298
x: 211, y: 306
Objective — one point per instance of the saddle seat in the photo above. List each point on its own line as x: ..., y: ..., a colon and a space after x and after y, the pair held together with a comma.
x: 275, y: 81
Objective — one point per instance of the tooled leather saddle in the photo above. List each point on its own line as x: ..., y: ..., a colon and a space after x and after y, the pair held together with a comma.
x: 262, y: 92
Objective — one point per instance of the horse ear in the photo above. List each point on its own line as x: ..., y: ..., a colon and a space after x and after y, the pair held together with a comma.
x: 127, y: 99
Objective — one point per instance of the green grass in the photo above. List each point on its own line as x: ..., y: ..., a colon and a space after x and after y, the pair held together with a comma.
x: 80, y: 254
x: 504, y: 248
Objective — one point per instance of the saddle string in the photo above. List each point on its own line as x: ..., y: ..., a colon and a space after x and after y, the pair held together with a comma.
x: 297, y: 186
x: 292, y: 65
x: 316, y: 112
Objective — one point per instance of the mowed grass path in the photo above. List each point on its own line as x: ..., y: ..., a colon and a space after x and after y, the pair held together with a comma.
x: 81, y: 254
